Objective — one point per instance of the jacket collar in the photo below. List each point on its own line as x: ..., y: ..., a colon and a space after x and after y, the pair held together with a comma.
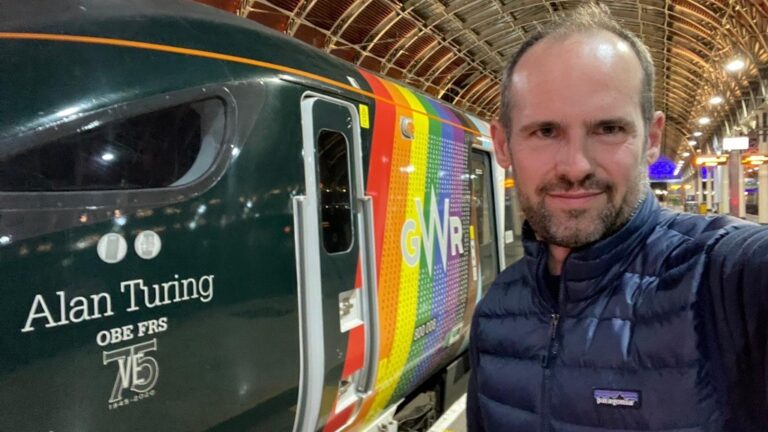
x: 592, y: 261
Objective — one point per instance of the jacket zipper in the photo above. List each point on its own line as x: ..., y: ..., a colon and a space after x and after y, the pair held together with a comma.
x: 548, y: 361
x: 546, y: 364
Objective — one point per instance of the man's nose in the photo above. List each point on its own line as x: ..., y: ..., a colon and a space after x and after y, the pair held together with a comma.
x: 574, y: 158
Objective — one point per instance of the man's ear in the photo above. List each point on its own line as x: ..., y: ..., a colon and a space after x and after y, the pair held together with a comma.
x: 503, y: 156
x: 655, y: 132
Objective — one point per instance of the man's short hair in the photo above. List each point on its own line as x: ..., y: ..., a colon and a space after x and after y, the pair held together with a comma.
x: 584, y: 19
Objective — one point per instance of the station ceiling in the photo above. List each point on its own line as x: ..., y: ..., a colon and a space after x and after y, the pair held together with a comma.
x: 455, y: 50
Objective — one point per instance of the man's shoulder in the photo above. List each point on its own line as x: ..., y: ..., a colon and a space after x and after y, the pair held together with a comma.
x: 741, y: 243
x: 515, y: 274
x: 511, y: 282
x: 724, y: 239
x: 697, y: 226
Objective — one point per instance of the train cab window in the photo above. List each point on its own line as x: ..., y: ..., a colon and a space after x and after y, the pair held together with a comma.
x: 485, y: 231
x: 335, y: 193
x: 168, y: 147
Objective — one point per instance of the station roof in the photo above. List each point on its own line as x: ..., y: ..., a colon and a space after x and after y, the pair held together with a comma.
x: 456, y: 50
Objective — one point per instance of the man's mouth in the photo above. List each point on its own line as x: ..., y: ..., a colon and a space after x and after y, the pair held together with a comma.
x: 575, y: 194
x: 576, y: 198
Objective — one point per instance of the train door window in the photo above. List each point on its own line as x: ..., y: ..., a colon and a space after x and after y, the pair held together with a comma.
x: 335, y: 191
x: 482, y: 202
x: 168, y: 147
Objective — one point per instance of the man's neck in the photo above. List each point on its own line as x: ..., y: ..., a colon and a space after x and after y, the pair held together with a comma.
x: 557, y: 255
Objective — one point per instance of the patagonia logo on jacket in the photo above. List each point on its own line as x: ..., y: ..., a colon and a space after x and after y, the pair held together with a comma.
x: 617, y: 398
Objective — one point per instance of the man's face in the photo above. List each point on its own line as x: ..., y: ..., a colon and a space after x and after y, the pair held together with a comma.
x: 577, y: 138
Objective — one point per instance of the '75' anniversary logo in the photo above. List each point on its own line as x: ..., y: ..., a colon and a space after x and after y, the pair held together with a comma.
x: 137, y: 372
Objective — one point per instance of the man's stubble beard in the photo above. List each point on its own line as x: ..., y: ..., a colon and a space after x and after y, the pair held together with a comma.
x: 575, y: 228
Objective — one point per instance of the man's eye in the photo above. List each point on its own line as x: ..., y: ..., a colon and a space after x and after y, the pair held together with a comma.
x: 610, y: 129
x: 545, y: 132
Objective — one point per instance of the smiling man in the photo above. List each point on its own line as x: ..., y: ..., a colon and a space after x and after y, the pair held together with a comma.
x: 578, y: 142
x: 621, y: 316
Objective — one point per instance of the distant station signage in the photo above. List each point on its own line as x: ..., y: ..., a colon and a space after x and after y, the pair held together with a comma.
x: 662, y: 169
x: 736, y: 143
x: 711, y: 160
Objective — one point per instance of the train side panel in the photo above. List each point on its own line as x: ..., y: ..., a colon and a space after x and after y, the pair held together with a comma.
x: 164, y: 308
x: 425, y: 285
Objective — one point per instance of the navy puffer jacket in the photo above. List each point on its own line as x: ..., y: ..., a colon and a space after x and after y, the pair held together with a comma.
x: 660, y: 327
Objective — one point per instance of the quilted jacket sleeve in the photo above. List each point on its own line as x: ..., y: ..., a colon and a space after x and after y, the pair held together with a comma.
x: 474, y: 421
x: 737, y: 317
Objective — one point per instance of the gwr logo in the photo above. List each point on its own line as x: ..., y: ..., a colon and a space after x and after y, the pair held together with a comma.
x: 443, y: 228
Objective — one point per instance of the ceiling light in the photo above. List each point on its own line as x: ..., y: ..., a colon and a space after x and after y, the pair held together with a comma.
x: 735, y: 65
x: 686, y: 154
x: 697, y: 134
x: 704, y: 120
x: 716, y: 100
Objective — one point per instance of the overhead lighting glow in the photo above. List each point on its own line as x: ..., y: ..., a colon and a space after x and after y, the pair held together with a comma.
x: 735, y: 65
x: 697, y: 134
x: 685, y: 154
x: 716, y: 100
x: 704, y: 120
x: 108, y: 156
x: 757, y: 159
x: 66, y: 112
x: 692, y: 143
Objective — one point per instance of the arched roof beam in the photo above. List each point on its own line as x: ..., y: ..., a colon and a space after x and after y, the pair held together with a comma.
x: 299, y: 16
x: 374, y: 37
x: 422, y: 59
x: 447, y: 58
x: 487, y: 100
x: 476, y: 84
x: 478, y: 96
x: 342, y: 24
x: 389, y: 58
x: 449, y: 14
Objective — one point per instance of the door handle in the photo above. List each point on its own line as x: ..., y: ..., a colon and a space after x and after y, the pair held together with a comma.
x: 311, y: 345
x: 369, y: 297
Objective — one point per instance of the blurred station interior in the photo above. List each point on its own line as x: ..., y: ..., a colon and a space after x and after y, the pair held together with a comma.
x: 711, y: 60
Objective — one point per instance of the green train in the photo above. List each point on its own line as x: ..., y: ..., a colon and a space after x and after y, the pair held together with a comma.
x: 206, y: 225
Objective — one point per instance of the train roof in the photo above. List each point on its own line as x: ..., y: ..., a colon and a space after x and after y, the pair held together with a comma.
x: 68, y: 57
x: 180, y: 23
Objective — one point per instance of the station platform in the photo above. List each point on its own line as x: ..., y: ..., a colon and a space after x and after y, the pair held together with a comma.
x: 454, y: 419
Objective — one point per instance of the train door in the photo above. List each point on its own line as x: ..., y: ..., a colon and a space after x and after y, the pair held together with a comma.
x: 484, y: 217
x: 335, y: 267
